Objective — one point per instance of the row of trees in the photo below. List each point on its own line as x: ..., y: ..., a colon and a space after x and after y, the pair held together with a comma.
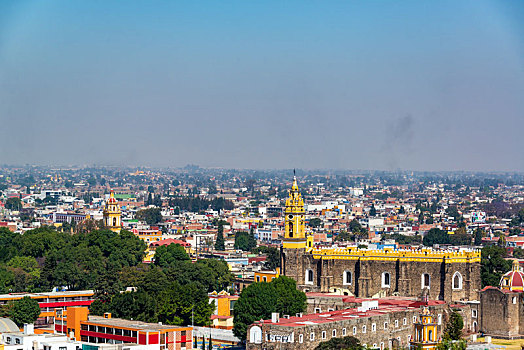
x: 41, y: 259
x: 460, y: 237
x: 173, y: 290
x: 260, y: 300
x: 197, y: 204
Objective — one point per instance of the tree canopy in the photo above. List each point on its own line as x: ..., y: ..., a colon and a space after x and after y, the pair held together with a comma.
x: 493, y: 265
x: 166, y: 256
x: 151, y: 216
x: 259, y: 300
x: 245, y: 241
x: 220, y: 243
x: 25, y: 310
x: 346, y: 343
x: 453, y: 330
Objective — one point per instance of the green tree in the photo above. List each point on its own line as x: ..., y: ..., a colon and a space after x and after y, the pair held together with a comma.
x: 518, y: 253
x: 343, y: 236
x: 166, y: 256
x: 315, y: 222
x: 479, y: 233
x: 436, y: 236
x: 25, y: 310
x: 151, y: 216
x: 493, y: 265
x: 259, y: 300
x: 346, y: 343
x: 272, y: 256
x: 220, y: 243
x: 372, y: 211
x: 13, y: 203
x: 454, y: 327
x: 244, y: 241
x: 447, y: 344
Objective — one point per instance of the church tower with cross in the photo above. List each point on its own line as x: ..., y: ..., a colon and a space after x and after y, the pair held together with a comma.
x: 296, y: 241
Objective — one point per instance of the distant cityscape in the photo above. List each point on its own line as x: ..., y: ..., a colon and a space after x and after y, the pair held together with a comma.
x: 143, y: 258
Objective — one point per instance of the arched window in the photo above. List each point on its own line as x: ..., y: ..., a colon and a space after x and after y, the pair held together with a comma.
x: 347, y: 278
x: 457, y: 280
x: 255, y: 335
x: 301, y: 338
x: 334, y: 334
x: 386, y: 280
x: 290, y: 229
x: 430, y: 335
x: 425, y: 280
x: 114, y: 221
x: 309, y: 276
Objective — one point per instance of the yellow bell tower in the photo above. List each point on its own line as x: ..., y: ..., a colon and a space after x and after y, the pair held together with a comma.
x: 112, y: 214
x: 426, y: 336
x: 294, y: 220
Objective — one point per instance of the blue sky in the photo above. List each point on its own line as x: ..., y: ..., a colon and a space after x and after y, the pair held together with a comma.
x: 422, y: 85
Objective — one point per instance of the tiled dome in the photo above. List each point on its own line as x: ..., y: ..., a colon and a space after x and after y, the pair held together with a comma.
x: 513, y: 280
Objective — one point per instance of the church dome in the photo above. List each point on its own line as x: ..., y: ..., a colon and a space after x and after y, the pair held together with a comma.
x: 513, y: 280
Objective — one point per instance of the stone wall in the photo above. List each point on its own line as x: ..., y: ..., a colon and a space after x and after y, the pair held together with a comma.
x: 375, y: 331
x: 405, y: 277
x: 500, y: 313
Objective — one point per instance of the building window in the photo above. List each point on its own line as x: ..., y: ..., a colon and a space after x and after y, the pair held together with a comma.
x: 347, y: 278
x: 396, y: 323
x: 323, y: 334
x: 334, y: 333
x: 363, y: 329
x: 425, y: 280
x: 309, y: 276
x: 301, y: 338
x: 457, y: 281
x: 317, y: 310
x: 374, y: 327
x: 343, y: 332
x: 385, y: 325
x: 474, y: 313
x: 381, y: 346
x: 265, y: 279
x: 414, y: 319
x: 439, y: 319
x: 386, y: 280
x: 312, y: 336
x: 374, y: 345
x: 354, y: 330
x: 404, y: 321
x: 258, y: 278
x: 514, y: 300
x: 17, y: 340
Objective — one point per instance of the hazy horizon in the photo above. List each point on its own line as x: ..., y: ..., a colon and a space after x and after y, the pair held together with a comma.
x: 422, y: 86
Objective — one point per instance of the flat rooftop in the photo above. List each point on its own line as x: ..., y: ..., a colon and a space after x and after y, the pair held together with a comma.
x: 67, y: 293
x: 138, y: 325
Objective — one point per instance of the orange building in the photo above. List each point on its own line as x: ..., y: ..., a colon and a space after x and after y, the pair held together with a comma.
x: 224, y: 306
x: 52, y: 301
x: 77, y: 323
x: 266, y: 276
